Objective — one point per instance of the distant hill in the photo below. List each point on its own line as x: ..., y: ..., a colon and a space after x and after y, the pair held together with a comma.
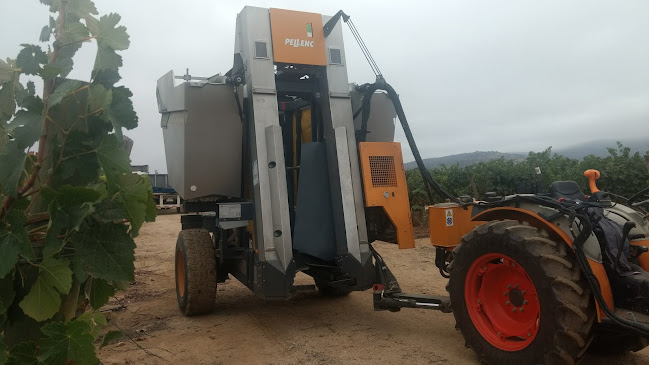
x: 466, y: 159
x: 597, y: 148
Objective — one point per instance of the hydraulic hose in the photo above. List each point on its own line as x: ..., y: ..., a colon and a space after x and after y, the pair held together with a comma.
x: 429, y: 182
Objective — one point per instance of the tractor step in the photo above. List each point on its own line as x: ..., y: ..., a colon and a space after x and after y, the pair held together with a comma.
x: 636, y: 317
x: 302, y: 288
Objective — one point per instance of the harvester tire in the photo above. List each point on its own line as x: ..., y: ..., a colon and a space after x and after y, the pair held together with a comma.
x: 195, y: 272
x: 331, y: 292
x: 519, y: 297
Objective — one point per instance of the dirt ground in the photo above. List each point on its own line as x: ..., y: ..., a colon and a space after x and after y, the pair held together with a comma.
x: 308, y: 329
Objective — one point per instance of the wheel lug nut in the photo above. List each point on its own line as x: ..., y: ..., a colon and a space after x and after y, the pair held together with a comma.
x: 509, y: 286
x: 514, y: 309
x: 525, y: 301
x: 523, y: 292
x: 507, y: 302
x: 505, y: 293
x: 515, y: 285
x: 521, y: 309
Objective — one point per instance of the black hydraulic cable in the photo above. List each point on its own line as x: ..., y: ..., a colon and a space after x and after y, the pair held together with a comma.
x: 429, y: 182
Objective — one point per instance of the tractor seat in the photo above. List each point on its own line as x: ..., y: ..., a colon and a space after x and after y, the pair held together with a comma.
x: 567, y: 190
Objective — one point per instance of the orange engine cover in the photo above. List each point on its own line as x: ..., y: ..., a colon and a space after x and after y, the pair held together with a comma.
x: 384, y: 182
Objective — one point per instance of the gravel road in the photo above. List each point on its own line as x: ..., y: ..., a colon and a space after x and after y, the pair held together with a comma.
x: 308, y: 329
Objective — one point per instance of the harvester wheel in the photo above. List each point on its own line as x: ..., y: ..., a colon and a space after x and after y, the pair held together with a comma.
x: 195, y: 272
x: 330, y: 291
x: 519, y: 297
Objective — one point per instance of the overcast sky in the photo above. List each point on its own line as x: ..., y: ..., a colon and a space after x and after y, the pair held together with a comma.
x: 511, y: 76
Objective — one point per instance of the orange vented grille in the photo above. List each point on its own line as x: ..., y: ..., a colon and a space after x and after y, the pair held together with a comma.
x: 384, y: 182
x: 382, y: 171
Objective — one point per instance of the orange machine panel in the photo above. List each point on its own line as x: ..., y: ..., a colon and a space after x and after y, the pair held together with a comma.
x: 297, y: 37
x: 384, y: 181
x: 448, y: 222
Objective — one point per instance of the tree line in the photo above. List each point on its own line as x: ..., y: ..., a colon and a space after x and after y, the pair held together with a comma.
x: 622, y: 173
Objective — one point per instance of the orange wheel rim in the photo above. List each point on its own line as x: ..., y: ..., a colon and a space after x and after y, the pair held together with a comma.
x: 180, y: 273
x: 502, y: 302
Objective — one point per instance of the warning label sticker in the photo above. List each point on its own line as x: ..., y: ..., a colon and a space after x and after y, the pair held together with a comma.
x: 449, y: 217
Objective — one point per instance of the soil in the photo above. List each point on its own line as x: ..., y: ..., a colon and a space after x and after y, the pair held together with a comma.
x: 308, y: 329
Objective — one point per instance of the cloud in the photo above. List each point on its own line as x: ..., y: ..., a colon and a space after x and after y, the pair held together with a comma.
x: 472, y: 75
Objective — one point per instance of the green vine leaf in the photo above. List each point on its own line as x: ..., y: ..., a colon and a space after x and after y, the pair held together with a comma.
x: 107, y: 62
x: 64, y: 58
x: 61, y: 91
x: 114, y: 159
x: 7, y: 295
x: 30, y: 59
x: 46, y: 32
x: 24, y: 353
x: 99, y: 100
x: 105, y: 252
x: 25, y: 128
x: 68, y: 207
x: 67, y: 342
x: 74, y: 32
x: 100, y: 293
x: 13, y: 241
x: 122, y: 113
x: 95, y: 320
x: 110, y: 35
x: 7, y: 292
x: 12, y: 163
x: 79, y: 151
x: 134, y: 199
x: 11, y: 92
x: 51, y: 71
x: 110, y: 337
x: 44, y: 298
x: 107, y: 59
x: 81, y: 8
x: 4, y: 355
x: 7, y: 71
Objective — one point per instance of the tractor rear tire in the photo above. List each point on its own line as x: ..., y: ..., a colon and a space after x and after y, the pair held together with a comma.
x: 195, y: 272
x: 519, y: 297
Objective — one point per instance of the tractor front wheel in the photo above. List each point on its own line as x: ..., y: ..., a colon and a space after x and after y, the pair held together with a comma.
x: 519, y: 297
x: 195, y: 272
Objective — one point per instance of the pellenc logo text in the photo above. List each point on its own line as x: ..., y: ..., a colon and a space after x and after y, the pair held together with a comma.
x: 298, y: 43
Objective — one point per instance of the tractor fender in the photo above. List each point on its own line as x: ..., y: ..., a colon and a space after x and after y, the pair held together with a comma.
x: 559, y: 230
